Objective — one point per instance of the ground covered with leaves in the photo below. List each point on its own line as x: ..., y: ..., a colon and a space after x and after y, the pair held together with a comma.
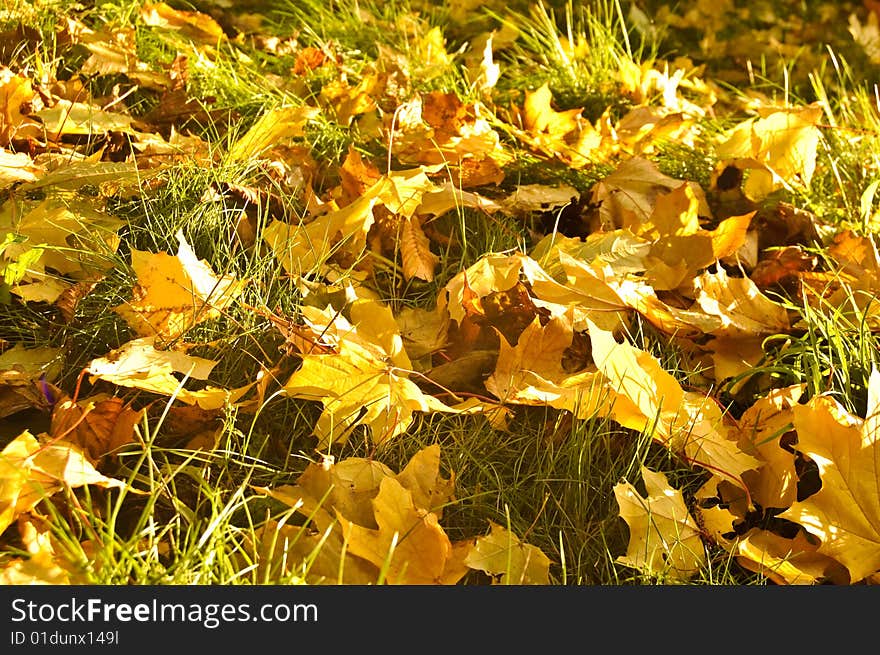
x: 339, y: 292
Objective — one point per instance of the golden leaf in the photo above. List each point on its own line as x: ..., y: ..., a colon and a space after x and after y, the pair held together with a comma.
x: 532, y: 372
x: 140, y: 365
x: 365, y: 381
x: 195, y: 25
x: 777, y: 148
x: 43, y: 565
x: 845, y: 513
x: 307, y: 247
x: 761, y: 428
x: 509, y: 560
x: 271, y: 129
x: 787, y: 561
x: 408, y: 544
x: 689, y: 423
x: 16, y: 91
x: 174, y: 293
x: 627, y: 196
x: 31, y: 470
x: 81, y: 118
x: 664, y: 538
x: 739, y: 305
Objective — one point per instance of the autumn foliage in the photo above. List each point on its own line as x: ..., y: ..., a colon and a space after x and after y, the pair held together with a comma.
x: 718, y: 268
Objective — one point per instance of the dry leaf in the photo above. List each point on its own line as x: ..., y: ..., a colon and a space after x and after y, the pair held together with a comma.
x: 365, y: 380
x: 174, y: 293
x: 510, y: 561
x: 31, y: 470
x: 664, y: 538
x: 139, y: 364
x: 845, y: 512
x: 99, y: 425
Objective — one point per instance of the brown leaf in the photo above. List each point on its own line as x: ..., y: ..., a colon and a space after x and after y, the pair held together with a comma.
x: 782, y: 268
x: 308, y: 59
x: 99, y: 425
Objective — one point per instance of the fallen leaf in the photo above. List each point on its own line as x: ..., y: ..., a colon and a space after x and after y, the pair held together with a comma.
x: 741, y: 307
x: 627, y: 197
x: 273, y: 128
x: 409, y: 543
x: 26, y: 377
x: 80, y: 118
x: 533, y: 372
x: 194, y: 25
x: 175, y: 293
x: 845, y: 513
x: 31, y: 470
x: 415, y: 250
x: 307, y: 247
x: 664, y: 538
x: 788, y: 561
x: 507, y: 559
x: 364, y: 381
x: 777, y: 148
x: 687, y: 422
x: 43, y: 565
x: 139, y: 364
x: 762, y: 428
x: 98, y: 425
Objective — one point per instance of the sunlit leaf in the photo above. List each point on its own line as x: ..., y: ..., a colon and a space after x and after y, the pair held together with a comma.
x: 31, y: 470
x: 509, y: 560
x: 664, y: 538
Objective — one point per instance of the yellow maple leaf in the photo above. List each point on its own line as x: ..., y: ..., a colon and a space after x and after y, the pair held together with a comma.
x: 761, y: 427
x: 139, y: 364
x: 794, y: 561
x: 689, y: 423
x: 627, y: 197
x: 509, y: 560
x: 579, y: 287
x: 174, y: 293
x: 71, y: 239
x: 273, y: 128
x: 80, y: 118
x: 845, y: 512
x: 532, y: 372
x: 437, y: 128
x: 421, y: 476
x: 369, y: 502
x: 195, y: 25
x: 777, y: 148
x: 17, y: 167
x: 409, y: 543
x: 43, y: 565
x: 365, y: 381
x: 565, y: 135
x: 31, y: 470
x: 681, y: 247
x: 664, y: 538
x: 316, y: 555
x: 16, y: 91
x: 733, y: 356
x: 741, y: 308
x: 307, y: 247
x: 494, y: 272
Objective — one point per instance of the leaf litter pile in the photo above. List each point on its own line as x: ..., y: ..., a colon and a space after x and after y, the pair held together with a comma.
x: 317, y: 266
